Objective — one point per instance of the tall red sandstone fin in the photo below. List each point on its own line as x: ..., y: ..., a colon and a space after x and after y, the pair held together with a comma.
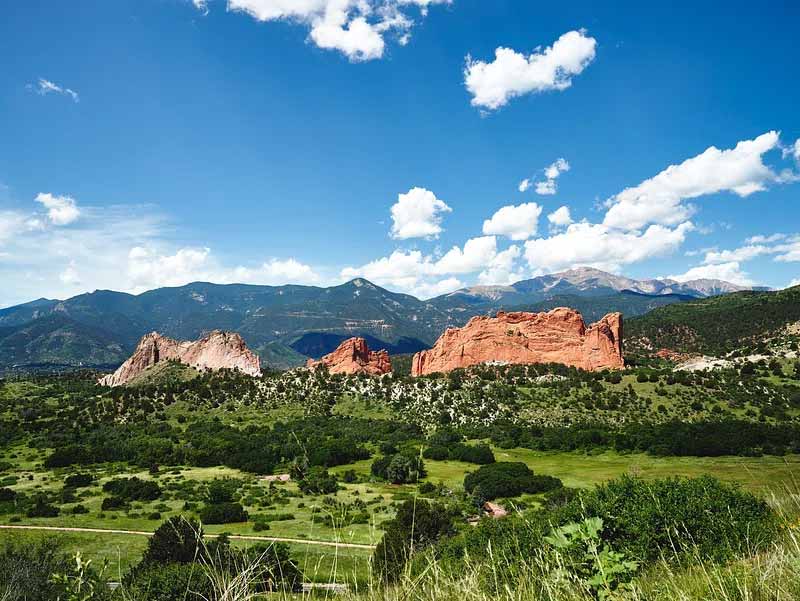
x: 217, y: 350
x: 557, y: 336
x: 354, y: 357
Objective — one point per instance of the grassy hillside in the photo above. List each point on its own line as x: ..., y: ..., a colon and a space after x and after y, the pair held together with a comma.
x: 715, y: 325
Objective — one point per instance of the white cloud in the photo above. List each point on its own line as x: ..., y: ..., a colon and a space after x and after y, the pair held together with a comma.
x: 429, y: 290
x: 794, y: 282
x: 738, y: 255
x: 762, y: 239
x: 740, y: 170
x: 357, y: 28
x: 599, y: 246
x: 61, y: 210
x: 501, y: 270
x: 525, y: 185
x: 796, y: 150
x: 518, y: 222
x: 44, y: 87
x: 789, y: 251
x: 402, y: 270
x: 70, y: 275
x: 551, y: 173
x: 117, y: 248
x: 276, y: 272
x: 513, y: 74
x: 730, y: 272
x: 148, y: 269
x: 417, y: 273
x: 477, y: 253
x: 417, y: 214
x: 560, y: 217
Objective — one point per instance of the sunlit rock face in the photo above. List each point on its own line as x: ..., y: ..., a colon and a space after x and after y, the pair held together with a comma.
x: 217, y: 350
x: 354, y: 357
x: 557, y: 336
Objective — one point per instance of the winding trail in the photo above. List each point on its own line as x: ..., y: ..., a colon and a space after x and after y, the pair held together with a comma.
x: 273, y: 539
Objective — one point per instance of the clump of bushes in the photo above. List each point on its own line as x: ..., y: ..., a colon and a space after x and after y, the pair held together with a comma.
x: 401, y: 468
x: 506, y: 479
x: 480, y: 454
x: 78, y: 480
x: 676, y: 516
x: 133, y: 489
x: 223, y: 513
x: 318, y: 481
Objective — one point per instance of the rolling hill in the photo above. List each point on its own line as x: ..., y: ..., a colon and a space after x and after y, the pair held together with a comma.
x: 715, y: 325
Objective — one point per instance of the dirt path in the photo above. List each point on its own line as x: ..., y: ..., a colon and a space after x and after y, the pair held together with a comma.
x: 273, y: 539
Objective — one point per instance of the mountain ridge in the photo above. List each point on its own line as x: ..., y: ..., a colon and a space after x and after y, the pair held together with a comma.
x: 287, y: 324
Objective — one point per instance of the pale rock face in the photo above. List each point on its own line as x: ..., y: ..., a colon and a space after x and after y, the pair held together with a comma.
x: 354, y: 357
x: 217, y: 350
x: 557, y: 336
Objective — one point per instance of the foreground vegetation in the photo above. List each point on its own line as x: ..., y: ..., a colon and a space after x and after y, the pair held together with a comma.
x: 380, y: 484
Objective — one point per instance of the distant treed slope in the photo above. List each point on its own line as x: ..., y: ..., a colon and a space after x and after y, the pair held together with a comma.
x: 59, y: 340
x: 105, y: 326
x: 630, y: 304
x: 715, y: 325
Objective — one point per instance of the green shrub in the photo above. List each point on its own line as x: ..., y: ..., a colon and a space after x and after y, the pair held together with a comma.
x: 42, y: 509
x: 169, y: 582
x: 318, y: 481
x: 78, y: 480
x: 506, y: 479
x: 133, y: 489
x: 417, y: 525
x: 676, y: 516
x: 223, y: 513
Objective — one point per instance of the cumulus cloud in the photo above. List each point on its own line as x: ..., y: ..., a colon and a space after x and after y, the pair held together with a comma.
x: 551, y: 173
x: 477, y: 253
x: 415, y: 272
x: 427, y: 290
x: 730, y: 272
x: 43, y: 87
x: 61, y: 210
x: 740, y: 170
x: 525, y: 185
x: 357, y: 28
x: 501, y: 269
x: 560, y: 217
x: 512, y: 74
x: 600, y: 246
x: 148, y: 268
x: 518, y: 222
x: 404, y: 270
x: 276, y: 272
x: 417, y: 214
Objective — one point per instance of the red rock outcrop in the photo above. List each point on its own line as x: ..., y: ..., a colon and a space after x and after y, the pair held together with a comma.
x: 558, y: 336
x: 354, y: 357
x: 217, y: 350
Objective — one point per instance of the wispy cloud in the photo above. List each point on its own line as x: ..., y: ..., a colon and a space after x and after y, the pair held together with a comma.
x: 44, y: 87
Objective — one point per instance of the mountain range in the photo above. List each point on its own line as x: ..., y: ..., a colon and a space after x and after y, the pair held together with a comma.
x: 287, y: 324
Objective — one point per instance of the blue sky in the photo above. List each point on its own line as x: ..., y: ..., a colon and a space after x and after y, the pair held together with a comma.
x: 155, y: 142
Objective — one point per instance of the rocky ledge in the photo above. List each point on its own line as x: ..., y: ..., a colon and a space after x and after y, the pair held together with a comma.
x: 217, y: 350
x: 354, y: 357
x: 557, y: 336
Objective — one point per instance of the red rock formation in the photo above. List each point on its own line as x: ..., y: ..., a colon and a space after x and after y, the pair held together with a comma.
x: 558, y: 336
x: 354, y: 357
x: 217, y: 350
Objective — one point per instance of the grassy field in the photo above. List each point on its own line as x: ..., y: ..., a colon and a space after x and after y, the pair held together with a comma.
x: 765, y: 475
